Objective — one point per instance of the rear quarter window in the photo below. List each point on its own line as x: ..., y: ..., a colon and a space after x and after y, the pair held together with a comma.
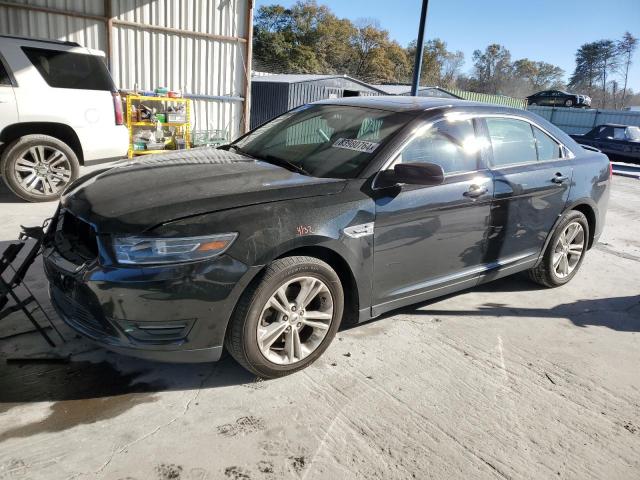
x: 4, y: 75
x: 548, y: 148
x: 62, y: 69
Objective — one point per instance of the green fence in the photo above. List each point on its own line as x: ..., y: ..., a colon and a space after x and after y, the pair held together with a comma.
x: 487, y: 98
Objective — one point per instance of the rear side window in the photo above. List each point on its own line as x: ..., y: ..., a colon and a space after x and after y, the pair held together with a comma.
x: 548, y: 148
x: 450, y: 144
x: 4, y: 76
x: 512, y: 141
x: 70, y: 70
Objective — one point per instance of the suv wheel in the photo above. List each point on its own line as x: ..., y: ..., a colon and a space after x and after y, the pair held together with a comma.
x: 565, y: 251
x: 568, y: 103
x: 285, y: 321
x: 38, y: 167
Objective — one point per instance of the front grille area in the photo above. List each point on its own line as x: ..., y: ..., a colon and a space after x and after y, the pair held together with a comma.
x: 75, y: 239
x: 79, y: 314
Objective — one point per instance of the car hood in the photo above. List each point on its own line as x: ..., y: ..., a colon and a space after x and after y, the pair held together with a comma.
x: 135, y: 196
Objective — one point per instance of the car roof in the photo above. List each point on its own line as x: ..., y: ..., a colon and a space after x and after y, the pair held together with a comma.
x: 19, y: 39
x: 398, y: 103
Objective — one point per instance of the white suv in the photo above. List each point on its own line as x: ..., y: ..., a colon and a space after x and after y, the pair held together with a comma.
x: 59, y: 109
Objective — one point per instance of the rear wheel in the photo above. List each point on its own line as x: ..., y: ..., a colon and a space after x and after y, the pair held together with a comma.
x: 564, y: 253
x: 568, y: 103
x: 37, y: 168
x: 288, y: 319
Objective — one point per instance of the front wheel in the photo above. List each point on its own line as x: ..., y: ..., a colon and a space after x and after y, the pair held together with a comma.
x: 565, y: 252
x: 288, y: 318
x: 37, y: 168
x: 568, y: 103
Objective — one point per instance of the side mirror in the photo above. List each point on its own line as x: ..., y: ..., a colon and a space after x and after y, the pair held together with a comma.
x: 418, y: 173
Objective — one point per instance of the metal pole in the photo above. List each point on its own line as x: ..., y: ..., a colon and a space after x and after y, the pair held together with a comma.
x: 417, y: 64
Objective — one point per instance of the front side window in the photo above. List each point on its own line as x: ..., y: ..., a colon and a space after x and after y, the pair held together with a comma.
x: 548, y: 148
x: 331, y: 141
x: 512, y: 141
x: 61, y: 69
x: 451, y: 144
x: 606, y: 132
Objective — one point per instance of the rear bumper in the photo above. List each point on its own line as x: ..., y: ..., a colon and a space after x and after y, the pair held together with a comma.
x: 176, y: 313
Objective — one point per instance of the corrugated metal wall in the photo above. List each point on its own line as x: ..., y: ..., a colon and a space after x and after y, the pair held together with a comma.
x: 146, y: 53
x: 576, y: 120
x: 88, y: 32
x: 270, y: 99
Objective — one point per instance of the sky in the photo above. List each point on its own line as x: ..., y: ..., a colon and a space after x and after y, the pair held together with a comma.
x: 546, y: 30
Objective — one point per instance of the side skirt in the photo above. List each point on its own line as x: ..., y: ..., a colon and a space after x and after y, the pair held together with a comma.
x: 486, y: 273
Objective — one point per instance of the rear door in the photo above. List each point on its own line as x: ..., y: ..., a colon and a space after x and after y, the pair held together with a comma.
x: 532, y: 181
x: 8, y: 108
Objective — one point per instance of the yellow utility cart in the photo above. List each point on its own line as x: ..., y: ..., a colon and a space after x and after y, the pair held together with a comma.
x: 182, y: 128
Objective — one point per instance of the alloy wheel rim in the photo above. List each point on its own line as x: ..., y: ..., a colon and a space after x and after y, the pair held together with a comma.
x: 43, y: 170
x: 568, y: 250
x: 295, y: 320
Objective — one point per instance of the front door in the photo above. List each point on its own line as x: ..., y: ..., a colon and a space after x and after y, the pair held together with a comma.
x: 429, y: 238
x: 532, y: 183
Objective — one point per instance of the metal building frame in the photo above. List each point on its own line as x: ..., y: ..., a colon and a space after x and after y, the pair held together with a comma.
x: 110, y: 22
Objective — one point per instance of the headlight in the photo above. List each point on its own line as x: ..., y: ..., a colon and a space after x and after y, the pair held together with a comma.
x: 144, y: 250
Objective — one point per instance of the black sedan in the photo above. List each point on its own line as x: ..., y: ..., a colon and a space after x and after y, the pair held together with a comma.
x: 559, y: 98
x: 334, y: 212
x: 619, y: 142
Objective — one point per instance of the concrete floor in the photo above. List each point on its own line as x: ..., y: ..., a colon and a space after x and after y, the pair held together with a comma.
x: 503, y: 381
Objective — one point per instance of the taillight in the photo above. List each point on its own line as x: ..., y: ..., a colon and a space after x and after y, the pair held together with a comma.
x: 117, y: 108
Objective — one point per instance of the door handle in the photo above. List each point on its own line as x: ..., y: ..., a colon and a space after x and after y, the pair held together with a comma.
x: 476, y: 191
x: 559, y: 178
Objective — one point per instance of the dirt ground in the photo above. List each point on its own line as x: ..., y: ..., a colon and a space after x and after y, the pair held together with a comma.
x: 503, y: 381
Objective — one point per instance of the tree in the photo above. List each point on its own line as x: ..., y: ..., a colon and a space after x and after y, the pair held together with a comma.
x: 626, y: 48
x: 532, y: 76
x: 595, y: 62
x: 309, y: 38
x: 608, y: 62
x: 492, y: 68
x: 440, y: 67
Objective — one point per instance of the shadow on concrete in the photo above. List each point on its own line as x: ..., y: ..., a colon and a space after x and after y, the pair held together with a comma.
x: 617, y: 313
x: 7, y: 196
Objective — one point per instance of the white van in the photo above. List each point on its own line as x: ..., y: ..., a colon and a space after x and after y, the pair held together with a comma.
x: 59, y: 109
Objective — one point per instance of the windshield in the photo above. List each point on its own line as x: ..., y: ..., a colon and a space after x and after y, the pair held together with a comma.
x: 633, y: 133
x: 330, y: 141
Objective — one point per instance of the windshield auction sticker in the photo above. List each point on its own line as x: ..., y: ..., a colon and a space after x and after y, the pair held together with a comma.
x: 357, y: 145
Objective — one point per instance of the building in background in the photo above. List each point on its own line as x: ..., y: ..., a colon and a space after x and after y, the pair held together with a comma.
x: 272, y: 95
x: 202, y: 47
x: 403, y: 89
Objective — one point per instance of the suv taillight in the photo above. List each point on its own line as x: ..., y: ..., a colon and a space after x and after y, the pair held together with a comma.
x: 117, y: 108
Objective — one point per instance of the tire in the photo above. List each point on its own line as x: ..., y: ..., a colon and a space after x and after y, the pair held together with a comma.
x: 547, y: 273
x: 252, y: 313
x: 533, y: 104
x: 568, y: 103
x: 37, y: 168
